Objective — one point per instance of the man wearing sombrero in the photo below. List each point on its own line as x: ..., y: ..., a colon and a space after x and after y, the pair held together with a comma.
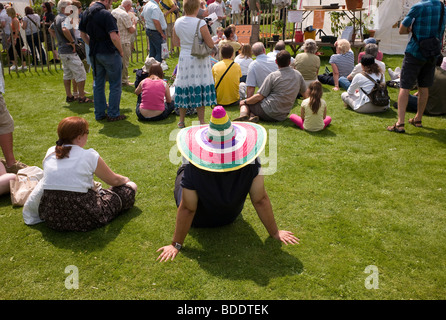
x: 222, y: 168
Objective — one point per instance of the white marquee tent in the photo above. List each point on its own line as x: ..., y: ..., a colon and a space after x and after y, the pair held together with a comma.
x: 19, y: 5
x: 384, y: 17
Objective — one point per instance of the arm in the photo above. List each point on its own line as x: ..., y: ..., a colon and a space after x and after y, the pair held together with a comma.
x: 405, y: 30
x: 175, y: 39
x: 138, y: 90
x: 185, y: 215
x: 302, y: 113
x: 168, y: 97
x: 158, y: 28
x: 104, y: 173
x: 116, y: 39
x: 262, y: 205
x: 335, y: 76
x: 52, y: 32
x: 67, y: 34
x: 250, y: 91
x: 132, y: 29
x: 85, y: 37
x: 253, y: 99
x: 172, y: 9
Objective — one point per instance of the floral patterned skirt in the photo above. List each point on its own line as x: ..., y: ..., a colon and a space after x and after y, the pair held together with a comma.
x: 194, y: 83
x: 77, y: 211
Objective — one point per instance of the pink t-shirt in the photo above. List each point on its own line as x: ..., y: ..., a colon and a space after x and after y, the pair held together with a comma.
x: 379, y: 56
x: 152, y: 94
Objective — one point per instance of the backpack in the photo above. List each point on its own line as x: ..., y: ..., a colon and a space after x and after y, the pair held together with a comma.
x: 379, y: 95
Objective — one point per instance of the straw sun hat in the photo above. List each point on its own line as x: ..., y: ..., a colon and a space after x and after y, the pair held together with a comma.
x: 221, y: 146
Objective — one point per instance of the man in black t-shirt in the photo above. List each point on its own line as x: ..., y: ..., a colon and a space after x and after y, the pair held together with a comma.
x: 223, y: 169
x: 99, y: 30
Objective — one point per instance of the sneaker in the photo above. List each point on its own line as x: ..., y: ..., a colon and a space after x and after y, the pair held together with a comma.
x: 394, y: 75
x: 164, y: 65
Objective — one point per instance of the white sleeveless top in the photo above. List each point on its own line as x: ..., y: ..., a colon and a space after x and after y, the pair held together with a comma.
x: 74, y: 173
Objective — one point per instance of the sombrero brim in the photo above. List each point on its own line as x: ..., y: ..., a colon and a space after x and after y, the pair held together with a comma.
x: 249, y: 142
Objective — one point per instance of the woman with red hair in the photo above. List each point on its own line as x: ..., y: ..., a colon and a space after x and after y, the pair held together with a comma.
x: 71, y: 199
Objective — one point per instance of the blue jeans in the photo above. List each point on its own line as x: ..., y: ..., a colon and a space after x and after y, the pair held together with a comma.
x: 110, y: 66
x: 344, y: 83
x: 155, y: 41
x: 168, y: 108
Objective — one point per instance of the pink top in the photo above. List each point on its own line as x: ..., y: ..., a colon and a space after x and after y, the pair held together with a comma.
x: 152, y: 94
x: 379, y: 56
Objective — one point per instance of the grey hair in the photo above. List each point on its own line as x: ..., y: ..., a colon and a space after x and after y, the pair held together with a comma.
x: 258, y: 48
x: 124, y: 2
x: 280, y: 45
x: 62, y: 4
x: 310, y: 46
x: 371, y: 49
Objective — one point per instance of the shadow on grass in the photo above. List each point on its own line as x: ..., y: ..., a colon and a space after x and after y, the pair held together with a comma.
x: 120, y: 129
x: 236, y: 252
x: 81, y: 108
x: 388, y: 114
x: 170, y: 119
x: 91, y: 240
x: 432, y: 133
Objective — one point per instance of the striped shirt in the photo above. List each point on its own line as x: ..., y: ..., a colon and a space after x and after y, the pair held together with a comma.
x: 345, y: 62
x: 426, y: 18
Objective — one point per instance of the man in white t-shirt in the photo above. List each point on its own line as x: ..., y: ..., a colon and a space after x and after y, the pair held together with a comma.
x: 216, y: 7
x: 236, y: 6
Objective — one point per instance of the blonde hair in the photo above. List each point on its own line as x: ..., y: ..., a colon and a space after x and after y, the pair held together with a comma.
x: 190, y: 6
x: 343, y: 45
x: 11, y: 12
x: 246, y: 51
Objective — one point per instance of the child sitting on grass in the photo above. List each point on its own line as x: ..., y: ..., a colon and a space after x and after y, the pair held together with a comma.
x: 313, y: 111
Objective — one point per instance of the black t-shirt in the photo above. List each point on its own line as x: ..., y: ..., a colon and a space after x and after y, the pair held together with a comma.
x: 221, y: 195
x: 98, y: 23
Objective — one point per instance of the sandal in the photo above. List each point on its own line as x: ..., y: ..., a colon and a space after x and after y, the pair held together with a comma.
x: 395, y: 127
x: 415, y: 123
x: 242, y: 118
x: 121, y: 117
x: 254, y: 119
x: 181, y: 125
x: 70, y: 99
x: 84, y: 100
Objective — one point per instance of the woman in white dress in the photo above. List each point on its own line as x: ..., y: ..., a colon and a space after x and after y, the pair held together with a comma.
x: 194, y: 83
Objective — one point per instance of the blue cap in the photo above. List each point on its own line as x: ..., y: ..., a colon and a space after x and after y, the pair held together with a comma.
x: 370, y: 40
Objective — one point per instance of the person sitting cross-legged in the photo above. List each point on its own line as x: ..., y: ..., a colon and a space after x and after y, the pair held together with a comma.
x: 227, y: 76
x: 212, y: 185
x: 276, y: 96
x: 155, y: 103
x: 356, y: 96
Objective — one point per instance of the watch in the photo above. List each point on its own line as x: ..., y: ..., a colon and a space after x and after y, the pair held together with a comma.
x: 177, y: 245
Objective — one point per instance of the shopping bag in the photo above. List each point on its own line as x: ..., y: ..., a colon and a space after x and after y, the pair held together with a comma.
x: 24, y: 183
x: 164, y: 51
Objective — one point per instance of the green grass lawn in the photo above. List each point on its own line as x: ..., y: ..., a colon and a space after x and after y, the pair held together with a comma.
x: 355, y: 194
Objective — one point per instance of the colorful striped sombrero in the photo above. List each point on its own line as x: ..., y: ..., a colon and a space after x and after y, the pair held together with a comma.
x: 221, y: 146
